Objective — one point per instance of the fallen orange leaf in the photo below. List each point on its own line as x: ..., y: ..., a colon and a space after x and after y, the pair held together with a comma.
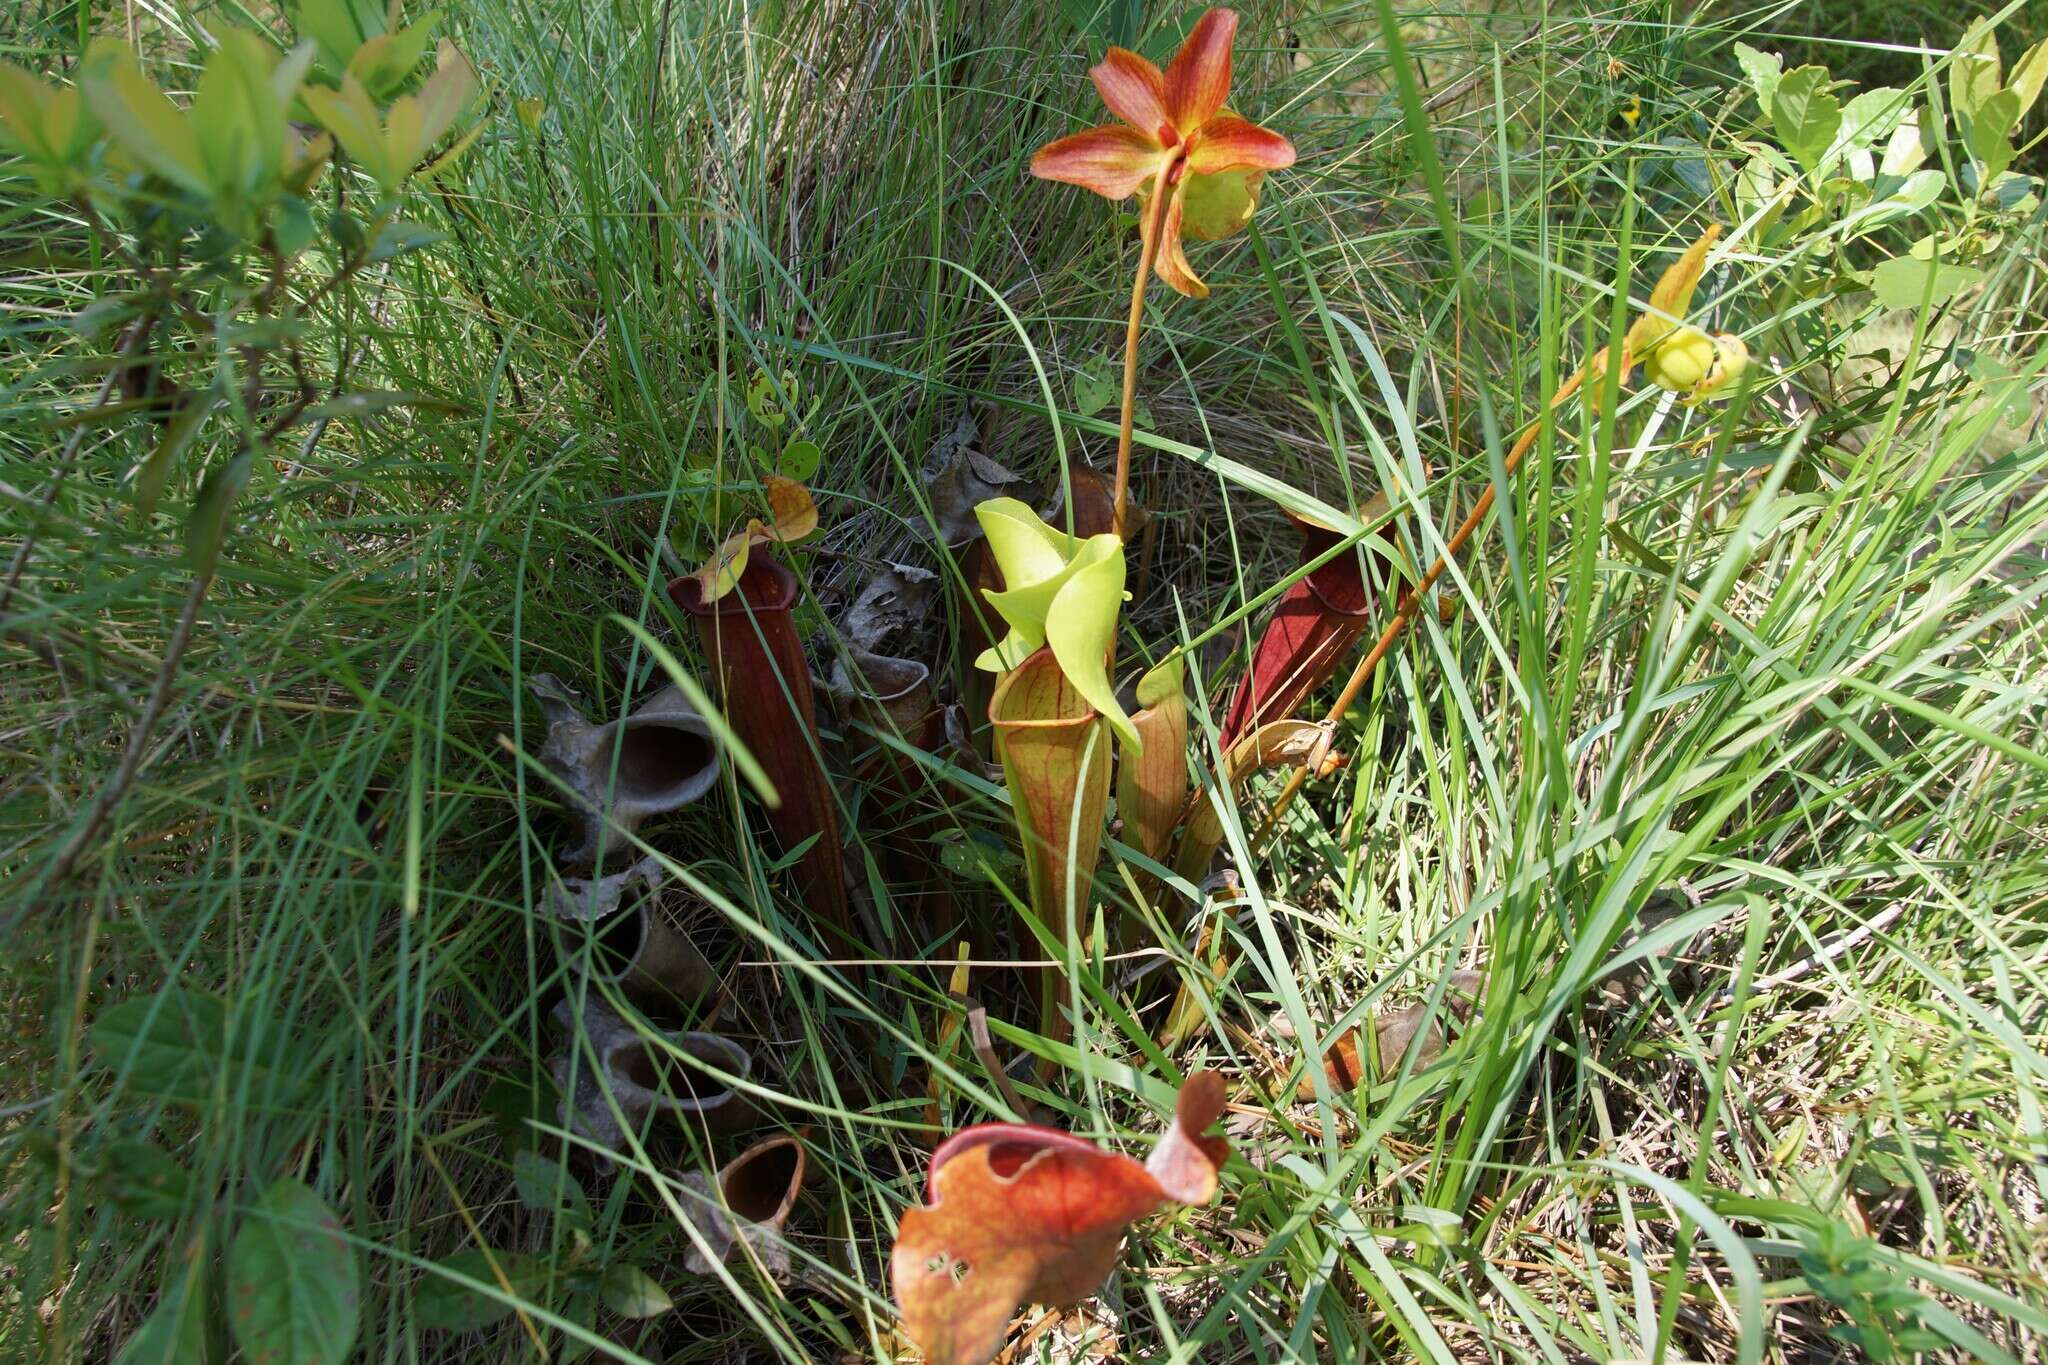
x: 789, y: 503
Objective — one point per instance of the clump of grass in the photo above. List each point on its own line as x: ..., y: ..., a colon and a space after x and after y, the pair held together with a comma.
x: 1721, y: 755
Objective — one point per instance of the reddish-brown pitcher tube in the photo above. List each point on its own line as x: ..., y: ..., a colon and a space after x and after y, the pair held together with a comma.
x: 764, y: 684
x: 1317, y: 622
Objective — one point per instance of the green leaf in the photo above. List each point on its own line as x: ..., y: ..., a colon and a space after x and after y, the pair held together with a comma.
x: 288, y: 75
x: 207, y: 525
x: 1918, y: 191
x: 168, y: 1045
x: 2029, y: 75
x: 237, y: 117
x: 292, y: 1289
x: 628, y: 1291
x: 800, y: 460
x: 143, y: 1181
x: 332, y: 25
x: 1989, y: 134
x: 293, y: 229
x: 48, y: 125
x: 1871, y: 116
x: 416, y: 122
x: 443, y: 1304
x: 387, y: 61
x: 1095, y: 388
x: 171, y: 446
x: 1974, y: 73
x: 140, y: 118
x: 547, y: 1186
x: 1907, y: 282
x: 1762, y: 70
x: 1806, y: 115
x: 446, y: 161
x: 176, y: 1332
x: 352, y: 118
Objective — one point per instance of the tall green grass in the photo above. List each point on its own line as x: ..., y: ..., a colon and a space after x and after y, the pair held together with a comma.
x: 1722, y: 757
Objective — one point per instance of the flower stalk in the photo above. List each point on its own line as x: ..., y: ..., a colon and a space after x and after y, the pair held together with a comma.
x: 1148, y: 256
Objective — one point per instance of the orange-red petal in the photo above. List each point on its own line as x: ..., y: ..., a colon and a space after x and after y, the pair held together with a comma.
x: 1172, y: 262
x: 1230, y: 143
x: 1198, y: 80
x: 1111, y: 160
x: 1133, y: 89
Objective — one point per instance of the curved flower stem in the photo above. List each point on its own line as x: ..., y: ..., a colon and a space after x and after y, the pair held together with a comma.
x: 1411, y: 601
x: 1155, y: 226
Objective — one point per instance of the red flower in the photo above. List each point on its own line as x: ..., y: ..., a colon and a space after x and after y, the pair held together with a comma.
x: 1176, y: 132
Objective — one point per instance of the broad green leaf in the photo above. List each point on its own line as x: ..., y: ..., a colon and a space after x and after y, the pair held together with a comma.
x: 1806, y: 115
x: 352, y: 118
x: 207, y: 525
x: 143, y: 122
x: 1080, y: 627
x: 142, y: 1180
x: 417, y: 122
x: 1989, y: 132
x: 288, y: 75
x: 1919, y: 190
x: 48, y: 125
x: 170, y: 1045
x: 1907, y: 282
x: 24, y: 113
x: 443, y: 1304
x: 292, y: 1287
x: 237, y: 118
x: 1974, y: 73
x: 333, y: 26
x: 1905, y: 151
x: 293, y: 227
x: 631, y: 1293
x: 177, y: 1331
x: 800, y: 460
x: 2029, y: 75
x: 386, y: 62
x: 1762, y: 70
x: 548, y: 1187
x: 1870, y: 117
x: 1757, y: 185
x: 1095, y: 388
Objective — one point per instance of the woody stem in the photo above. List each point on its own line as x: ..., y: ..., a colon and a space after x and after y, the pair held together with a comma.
x: 1155, y: 226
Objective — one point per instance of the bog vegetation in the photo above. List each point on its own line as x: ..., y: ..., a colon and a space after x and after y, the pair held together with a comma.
x: 660, y: 708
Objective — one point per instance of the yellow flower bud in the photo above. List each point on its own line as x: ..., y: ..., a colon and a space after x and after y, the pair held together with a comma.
x: 1681, y: 361
x: 1697, y: 364
x: 1731, y: 358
